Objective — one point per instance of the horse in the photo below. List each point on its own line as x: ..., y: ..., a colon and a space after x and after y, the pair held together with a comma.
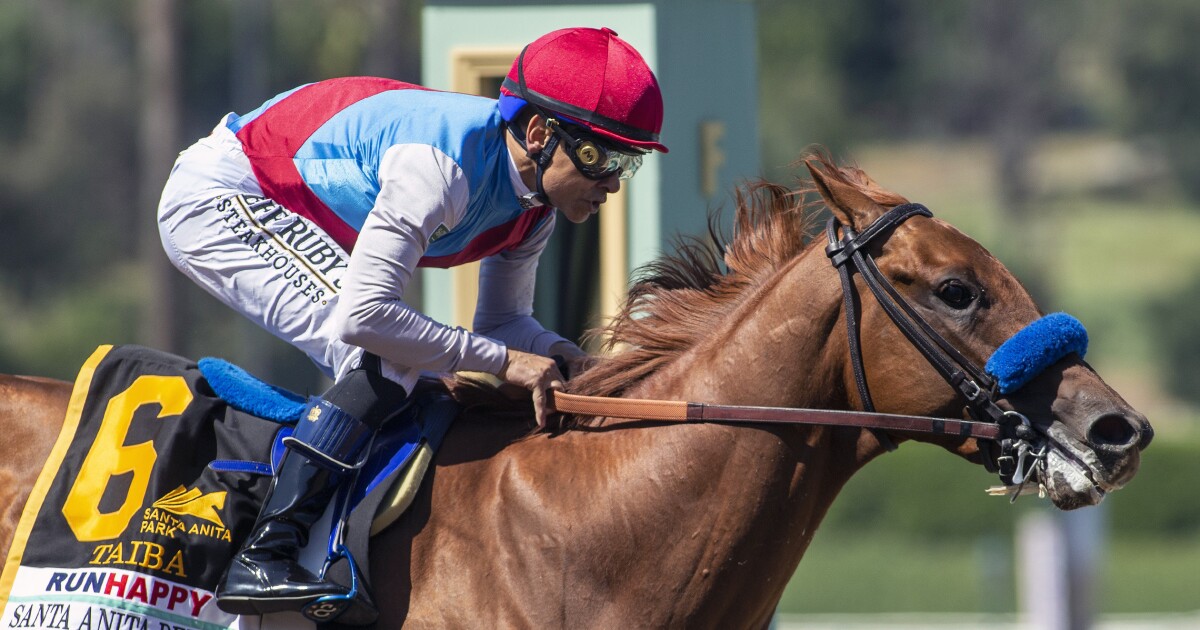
x: 610, y: 522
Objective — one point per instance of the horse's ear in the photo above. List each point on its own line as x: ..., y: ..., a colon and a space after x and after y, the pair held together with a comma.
x: 851, y: 206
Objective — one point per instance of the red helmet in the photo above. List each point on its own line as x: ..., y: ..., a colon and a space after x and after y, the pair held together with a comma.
x: 594, y: 78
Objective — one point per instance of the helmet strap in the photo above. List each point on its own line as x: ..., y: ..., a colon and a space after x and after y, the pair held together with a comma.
x: 541, y: 161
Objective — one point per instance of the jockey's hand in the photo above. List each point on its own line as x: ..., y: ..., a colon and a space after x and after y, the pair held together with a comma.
x: 536, y: 373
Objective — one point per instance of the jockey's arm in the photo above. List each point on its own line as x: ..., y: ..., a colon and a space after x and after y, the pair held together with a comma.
x: 504, y: 310
x: 421, y: 190
x: 505, y: 307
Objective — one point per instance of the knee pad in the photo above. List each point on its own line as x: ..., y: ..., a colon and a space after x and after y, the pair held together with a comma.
x: 366, y: 394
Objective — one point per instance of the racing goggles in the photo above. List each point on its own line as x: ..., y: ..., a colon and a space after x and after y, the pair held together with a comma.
x: 593, y: 158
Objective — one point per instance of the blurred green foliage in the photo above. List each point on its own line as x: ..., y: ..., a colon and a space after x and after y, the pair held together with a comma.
x: 935, y: 497
x: 914, y: 531
x: 1177, y: 337
x: 841, y: 73
x: 1159, y: 50
x: 1163, y: 501
x: 889, y: 572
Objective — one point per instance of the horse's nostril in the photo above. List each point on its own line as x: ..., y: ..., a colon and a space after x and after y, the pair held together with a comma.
x: 1147, y: 435
x: 1113, y: 430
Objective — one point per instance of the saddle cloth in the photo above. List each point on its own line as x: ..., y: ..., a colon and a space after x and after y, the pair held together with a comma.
x: 154, y: 482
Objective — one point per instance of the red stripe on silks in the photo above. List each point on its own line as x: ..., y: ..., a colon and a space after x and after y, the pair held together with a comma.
x: 492, y: 240
x: 272, y: 140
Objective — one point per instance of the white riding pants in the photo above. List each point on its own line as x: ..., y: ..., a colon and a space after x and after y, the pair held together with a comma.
x: 270, y: 264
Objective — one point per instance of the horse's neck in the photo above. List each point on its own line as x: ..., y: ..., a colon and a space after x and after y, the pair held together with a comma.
x: 760, y: 492
x: 779, y: 347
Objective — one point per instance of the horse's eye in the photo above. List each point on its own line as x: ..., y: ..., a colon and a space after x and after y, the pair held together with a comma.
x: 955, y: 294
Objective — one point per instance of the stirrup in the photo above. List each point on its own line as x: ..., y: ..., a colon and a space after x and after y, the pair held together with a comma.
x: 327, y: 608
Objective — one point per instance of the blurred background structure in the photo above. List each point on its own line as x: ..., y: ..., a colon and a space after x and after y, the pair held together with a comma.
x: 1063, y: 136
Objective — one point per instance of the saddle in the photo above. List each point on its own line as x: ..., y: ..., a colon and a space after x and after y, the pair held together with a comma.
x: 398, y: 457
x: 384, y: 487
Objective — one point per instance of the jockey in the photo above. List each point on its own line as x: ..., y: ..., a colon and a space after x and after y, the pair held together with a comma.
x: 310, y: 214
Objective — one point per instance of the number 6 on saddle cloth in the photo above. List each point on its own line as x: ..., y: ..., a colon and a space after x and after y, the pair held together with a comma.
x: 385, y: 485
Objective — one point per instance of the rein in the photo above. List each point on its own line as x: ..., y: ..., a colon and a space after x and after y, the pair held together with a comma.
x: 678, y: 411
x: 1010, y: 430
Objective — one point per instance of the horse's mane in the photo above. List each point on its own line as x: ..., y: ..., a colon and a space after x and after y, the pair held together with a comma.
x: 677, y: 300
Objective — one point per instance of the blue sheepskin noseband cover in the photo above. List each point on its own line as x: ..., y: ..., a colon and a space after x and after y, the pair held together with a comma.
x: 1035, y: 348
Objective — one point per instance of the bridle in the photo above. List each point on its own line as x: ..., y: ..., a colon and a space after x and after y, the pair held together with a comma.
x: 848, y: 254
x: 1021, y: 448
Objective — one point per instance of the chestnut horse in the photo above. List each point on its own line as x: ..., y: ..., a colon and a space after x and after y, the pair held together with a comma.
x: 613, y: 523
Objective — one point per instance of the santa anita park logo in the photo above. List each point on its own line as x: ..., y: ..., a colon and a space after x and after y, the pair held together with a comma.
x: 187, y: 512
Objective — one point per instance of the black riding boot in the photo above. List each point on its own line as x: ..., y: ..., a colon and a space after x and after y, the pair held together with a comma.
x: 265, y: 576
x: 324, y: 452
